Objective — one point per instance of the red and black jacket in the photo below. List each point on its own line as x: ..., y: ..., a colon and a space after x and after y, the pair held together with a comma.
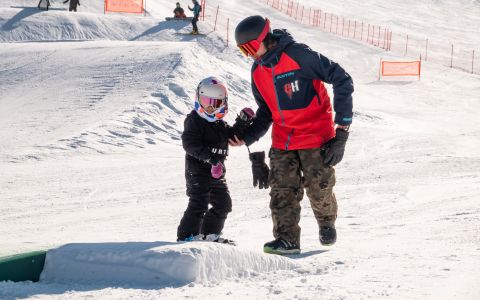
x: 287, y: 84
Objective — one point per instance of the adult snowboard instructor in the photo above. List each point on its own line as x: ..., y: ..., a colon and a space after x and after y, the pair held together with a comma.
x: 287, y: 84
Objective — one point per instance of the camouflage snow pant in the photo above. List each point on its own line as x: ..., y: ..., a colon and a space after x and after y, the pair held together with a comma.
x: 290, y: 172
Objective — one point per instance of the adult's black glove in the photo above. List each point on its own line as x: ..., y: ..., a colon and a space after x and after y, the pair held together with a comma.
x: 260, y: 169
x: 242, y: 122
x: 335, y: 148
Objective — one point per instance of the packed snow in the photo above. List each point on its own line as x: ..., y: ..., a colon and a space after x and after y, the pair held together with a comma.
x: 91, y: 166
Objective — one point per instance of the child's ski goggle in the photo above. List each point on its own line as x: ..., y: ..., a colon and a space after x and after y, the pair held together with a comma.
x: 251, y: 47
x: 206, y: 101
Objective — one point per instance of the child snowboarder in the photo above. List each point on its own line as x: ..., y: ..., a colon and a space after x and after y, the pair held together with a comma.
x: 205, y: 140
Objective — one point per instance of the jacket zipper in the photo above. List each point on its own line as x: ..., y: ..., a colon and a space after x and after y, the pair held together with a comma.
x: 276, y: 94
x: 288, y: 138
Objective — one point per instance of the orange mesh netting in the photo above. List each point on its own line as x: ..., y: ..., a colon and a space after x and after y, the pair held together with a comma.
x: 401, y: 68
x: 127, y: 6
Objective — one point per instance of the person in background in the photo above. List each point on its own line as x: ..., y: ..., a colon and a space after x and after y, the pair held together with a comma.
x: 73, y: 4
x: 178, y: 12
x: 43, y: 4
x: 197, y: 8
x: 307, y: 139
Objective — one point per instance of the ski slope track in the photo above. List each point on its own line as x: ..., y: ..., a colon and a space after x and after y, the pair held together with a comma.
x: 92, y: 168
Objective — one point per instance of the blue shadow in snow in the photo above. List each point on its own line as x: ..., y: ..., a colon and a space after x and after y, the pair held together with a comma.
x: 24, y: 13
x: 176, y: 25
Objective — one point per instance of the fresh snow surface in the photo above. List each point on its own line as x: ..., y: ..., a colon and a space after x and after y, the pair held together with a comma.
x: 156, y: 264
x: 91, y: 166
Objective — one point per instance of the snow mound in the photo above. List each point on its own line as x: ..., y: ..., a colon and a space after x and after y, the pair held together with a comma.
x: 156, y: 263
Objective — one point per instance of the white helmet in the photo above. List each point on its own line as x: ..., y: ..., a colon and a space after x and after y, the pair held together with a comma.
x: 211, y: 92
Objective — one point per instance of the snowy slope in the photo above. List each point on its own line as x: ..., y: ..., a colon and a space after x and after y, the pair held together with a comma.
x: 92, y: 107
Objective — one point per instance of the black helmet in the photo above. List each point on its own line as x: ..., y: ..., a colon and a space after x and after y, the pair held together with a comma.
x: 250, y: 29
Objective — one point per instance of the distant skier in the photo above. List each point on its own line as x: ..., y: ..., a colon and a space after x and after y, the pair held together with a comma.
x: 205, y: 140
x: 178, y: 12
x: 308, y: 140
x: 73, y: 4
x: 197, y: 8
x: 45, y: 4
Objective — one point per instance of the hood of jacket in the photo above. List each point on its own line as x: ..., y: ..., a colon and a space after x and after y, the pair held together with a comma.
x: 284, y: 39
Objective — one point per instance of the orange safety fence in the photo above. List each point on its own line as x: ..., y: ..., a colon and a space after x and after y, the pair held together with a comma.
x: 453, y: 56
x: 400, y: 68
x: 125, y: 6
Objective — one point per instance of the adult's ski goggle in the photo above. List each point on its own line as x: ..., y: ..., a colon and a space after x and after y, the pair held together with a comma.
x: 251, y: 47
x: 206, y: 101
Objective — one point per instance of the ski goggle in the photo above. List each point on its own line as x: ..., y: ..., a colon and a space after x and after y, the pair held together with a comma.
x: 251, y: 47
x: 206, y: 101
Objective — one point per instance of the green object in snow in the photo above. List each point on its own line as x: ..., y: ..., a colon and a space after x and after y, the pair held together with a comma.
x: 22, y: 267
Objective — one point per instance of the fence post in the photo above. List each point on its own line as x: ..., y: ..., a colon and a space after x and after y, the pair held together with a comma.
x: 473, y: 58
x: 203, y: 9
x: 343, y: 25
x: 355, y: 30
x: 296, y: 13
x: 380, y: 70
x: 216, y: 16
x: 228, y: 27
x: 378, y: 40
x: 336, y: 29
x: 426, y: 49
x: 303, y: 8
x: 361, y: 33
x: 384, y: 38
x: 348, y: 31
x: 406, y: 46
x: 451, y: 58
x: 368, y: 34
x: 331, y: 22
x: 309, y: 16
x: 390, y: 41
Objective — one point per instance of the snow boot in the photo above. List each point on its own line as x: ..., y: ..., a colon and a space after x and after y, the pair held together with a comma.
x: 216, y: 238
x: 328, y: 235
x: 192, y: 238
x: 281, y: 246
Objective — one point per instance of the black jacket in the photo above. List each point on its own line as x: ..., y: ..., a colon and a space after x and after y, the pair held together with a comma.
x: 205, y: 143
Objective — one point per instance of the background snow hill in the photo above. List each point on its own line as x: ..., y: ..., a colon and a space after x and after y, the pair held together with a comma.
x: 92, y: 107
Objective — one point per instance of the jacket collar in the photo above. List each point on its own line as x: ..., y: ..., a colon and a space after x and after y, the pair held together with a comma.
x: 283, y: 39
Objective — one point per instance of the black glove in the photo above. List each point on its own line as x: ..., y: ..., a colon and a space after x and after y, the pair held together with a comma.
x: 335, y: 148
x: 260, y: 169
x: 242, y: 122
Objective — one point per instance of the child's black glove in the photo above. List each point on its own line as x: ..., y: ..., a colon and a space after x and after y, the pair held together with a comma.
x: 335, y: 148
x: 242, y: 122
x: 260, y: 169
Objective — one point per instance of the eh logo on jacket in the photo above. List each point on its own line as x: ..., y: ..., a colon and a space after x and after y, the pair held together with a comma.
x: 291, y: 88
